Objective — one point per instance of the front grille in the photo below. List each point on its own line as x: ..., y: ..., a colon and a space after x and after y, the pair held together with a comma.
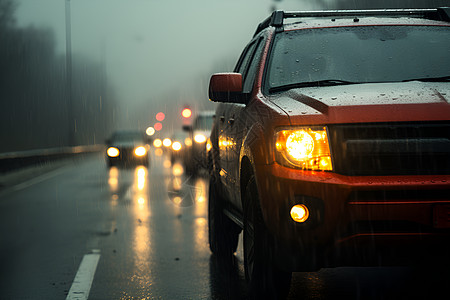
x: 400, y: 195
x: 391, y: 148
x: 126, y: 153
x: 361, y: 227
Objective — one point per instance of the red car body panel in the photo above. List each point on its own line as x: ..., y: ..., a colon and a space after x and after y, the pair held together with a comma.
x: 413, y: 211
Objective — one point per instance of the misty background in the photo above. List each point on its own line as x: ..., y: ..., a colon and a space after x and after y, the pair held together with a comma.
x: 130, y: 60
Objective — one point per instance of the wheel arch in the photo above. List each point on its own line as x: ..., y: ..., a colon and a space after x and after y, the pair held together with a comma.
x: 246, y: 172
x: 252, y: 152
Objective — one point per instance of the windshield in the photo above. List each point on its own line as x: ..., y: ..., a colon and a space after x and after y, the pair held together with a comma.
x: 359, y: 55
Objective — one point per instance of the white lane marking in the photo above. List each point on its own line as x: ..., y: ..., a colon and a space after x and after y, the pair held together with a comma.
x: 38, y: 179
x: 28, y: 183
x: 82, y: 283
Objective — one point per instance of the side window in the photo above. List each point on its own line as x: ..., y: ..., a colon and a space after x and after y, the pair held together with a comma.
x: 249, y: 78
x: 244, y: 61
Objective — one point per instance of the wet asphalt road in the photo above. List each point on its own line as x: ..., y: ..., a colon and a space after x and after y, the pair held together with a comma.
x: 149, y: 227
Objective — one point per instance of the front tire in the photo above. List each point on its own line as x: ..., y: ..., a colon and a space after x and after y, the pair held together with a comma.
x: 265, y: 280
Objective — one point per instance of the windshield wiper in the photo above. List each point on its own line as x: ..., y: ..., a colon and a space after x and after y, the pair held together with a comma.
x: 430, y: 79
x: 328, y: 82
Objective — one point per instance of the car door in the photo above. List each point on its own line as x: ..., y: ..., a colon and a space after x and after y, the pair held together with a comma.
x: 226, y: 121
x: 238, y: 117
x: 222, y: 112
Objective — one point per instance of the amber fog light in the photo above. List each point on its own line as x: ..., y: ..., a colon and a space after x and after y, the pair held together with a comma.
x: 299, y: 213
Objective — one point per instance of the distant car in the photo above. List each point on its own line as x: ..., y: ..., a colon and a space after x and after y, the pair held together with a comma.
x: 199, y: 134
x: 178, y: 150
x: 127, y: 147
x: 331, y: 144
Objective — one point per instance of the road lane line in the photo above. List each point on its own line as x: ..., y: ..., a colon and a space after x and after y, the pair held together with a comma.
x: 23, y: 185
x: 82, y: 283
x: 37, y: 179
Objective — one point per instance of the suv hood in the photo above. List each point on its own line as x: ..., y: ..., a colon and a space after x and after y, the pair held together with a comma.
x: 374, y: 102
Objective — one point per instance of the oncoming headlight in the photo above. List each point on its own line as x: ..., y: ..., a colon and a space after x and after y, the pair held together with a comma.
x: 176, y: 146
x: 140, y: 151
x: 167, y: 142
x: 200, y: 138
x: 112, y: 152
x: 305, y: 148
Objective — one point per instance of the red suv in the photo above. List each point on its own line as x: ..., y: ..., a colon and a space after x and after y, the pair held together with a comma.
x: 331, y: 144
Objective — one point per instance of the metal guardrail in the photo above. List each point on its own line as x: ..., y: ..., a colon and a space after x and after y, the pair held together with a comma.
x: 14, y: 160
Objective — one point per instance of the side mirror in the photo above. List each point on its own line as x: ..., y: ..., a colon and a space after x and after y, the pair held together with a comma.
x: 226, y: 87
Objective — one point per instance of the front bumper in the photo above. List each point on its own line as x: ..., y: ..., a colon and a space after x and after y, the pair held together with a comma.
x: 127, y: 156
x: 355, y: 220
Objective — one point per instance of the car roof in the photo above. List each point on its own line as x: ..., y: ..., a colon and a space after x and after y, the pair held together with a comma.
x: 369, y: 21
x: 292, y: 20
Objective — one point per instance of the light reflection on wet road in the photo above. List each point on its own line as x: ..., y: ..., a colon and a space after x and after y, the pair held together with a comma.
x: 150, y: 225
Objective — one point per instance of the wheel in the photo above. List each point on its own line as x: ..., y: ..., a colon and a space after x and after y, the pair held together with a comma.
x: 223, y: 233
x: 265, y: 280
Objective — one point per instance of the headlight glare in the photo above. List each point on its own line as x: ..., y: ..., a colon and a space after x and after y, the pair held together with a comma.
x: 112, y: 152
x: 167, y: 142
x: 299, y: 145
x: 305, y: 148
x: 188, y: 142
x: 299, y: 213
x: 199, y: 138
x: 176, y: 146
x: 140, y: 151
x: 208, y: 145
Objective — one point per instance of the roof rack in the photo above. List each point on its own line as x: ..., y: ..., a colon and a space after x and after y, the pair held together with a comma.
x: 277, y: 17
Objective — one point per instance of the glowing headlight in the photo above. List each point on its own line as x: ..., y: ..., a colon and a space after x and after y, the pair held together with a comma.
x: 199, y: 138
x: 167, y: 142
x: 305, y: 148
x: 112, y: 152
x: 140, y: 151
x: 157, y: 143
x: 299, y: 145
x: 176, y: 146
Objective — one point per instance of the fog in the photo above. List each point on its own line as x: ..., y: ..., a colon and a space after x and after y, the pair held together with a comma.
x: 158, y: 54
x: 147, y: 56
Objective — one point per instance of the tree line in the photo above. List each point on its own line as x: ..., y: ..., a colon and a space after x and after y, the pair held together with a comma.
x: 34, y: 109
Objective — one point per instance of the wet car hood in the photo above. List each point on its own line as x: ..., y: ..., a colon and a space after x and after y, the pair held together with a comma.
x: 374, y: 102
